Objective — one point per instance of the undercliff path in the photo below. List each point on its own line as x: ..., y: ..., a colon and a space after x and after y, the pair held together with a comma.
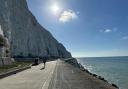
x: 56, y: 75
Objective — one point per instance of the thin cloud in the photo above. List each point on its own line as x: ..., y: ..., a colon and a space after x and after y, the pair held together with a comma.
x: 125, y: 38
x: 108, y: 30
x: 67, y: 16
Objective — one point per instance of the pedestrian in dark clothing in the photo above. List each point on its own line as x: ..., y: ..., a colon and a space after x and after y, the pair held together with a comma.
x: 36, y: 61
x: 44, y: 61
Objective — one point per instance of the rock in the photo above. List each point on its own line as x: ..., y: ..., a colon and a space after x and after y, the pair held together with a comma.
x: 2, y: 41
x: 115, y: 86
x: 4, y: 45
x: 6, y: 61
x: 102, y: 78
x: 2, y: 51
x: 26, y: 36
x: 1, y: 31
x: 94, y: 75
x: 73, y: 61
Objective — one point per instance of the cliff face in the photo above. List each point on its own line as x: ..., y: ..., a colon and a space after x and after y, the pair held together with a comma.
x: 27, y: 37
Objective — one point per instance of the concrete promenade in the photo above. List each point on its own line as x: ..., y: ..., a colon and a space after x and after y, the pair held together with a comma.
x: 33, y: 78
x: 56, y: 75
x: 67, y: 76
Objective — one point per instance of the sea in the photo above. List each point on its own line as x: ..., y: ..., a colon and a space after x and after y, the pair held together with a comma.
x: 113, y: 69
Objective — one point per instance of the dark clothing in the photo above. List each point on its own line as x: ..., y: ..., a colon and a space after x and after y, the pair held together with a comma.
x: 44, y: 61
x: 36, y: 62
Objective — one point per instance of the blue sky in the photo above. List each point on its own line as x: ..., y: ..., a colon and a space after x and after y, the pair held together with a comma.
x: 87, y: 28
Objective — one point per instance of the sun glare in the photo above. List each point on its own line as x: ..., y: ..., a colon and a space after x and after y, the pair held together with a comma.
x: 55, y: 8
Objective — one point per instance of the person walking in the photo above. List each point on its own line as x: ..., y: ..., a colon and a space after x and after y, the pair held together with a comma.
x: 44, y: 61
x: 36, y: 61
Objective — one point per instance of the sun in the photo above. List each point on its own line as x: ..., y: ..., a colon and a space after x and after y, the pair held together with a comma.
x: 55, y: 8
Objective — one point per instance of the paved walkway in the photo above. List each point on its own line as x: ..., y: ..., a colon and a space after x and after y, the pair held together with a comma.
x: 33, y: 78
x: 67, y: 76
x: 57, y: 75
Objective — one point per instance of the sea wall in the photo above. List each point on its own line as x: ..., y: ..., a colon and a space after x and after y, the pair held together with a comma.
x: 75, y: 63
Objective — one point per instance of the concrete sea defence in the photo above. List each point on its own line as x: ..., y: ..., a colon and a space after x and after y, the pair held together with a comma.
x: 74, y: 62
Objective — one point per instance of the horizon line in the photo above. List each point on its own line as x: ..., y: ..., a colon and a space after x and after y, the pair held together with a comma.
x: 102, y: 56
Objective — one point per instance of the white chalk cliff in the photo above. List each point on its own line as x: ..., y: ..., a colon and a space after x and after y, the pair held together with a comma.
x: 26, y: 36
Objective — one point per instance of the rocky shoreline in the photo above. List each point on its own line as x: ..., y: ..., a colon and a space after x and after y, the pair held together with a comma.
x: 74, y: 62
